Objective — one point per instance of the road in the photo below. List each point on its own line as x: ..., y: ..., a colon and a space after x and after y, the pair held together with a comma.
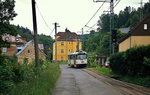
x: 75, y: 81
x: 78, y: 82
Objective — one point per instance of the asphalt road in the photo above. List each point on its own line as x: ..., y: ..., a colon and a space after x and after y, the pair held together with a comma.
x: 77, y: 82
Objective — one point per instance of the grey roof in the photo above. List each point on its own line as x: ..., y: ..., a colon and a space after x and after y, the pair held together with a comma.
x: 24, y: 48
x: 125, y: 30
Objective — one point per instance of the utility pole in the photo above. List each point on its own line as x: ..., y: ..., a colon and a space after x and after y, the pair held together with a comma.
x: 82, y: 31
x: 112, y: 45
x: 141, y: 11
x: 37, y: 61
x: 56, y: 25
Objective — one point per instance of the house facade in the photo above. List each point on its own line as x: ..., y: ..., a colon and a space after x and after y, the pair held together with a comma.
x: 16, y: 44
x: 27, y: 53
x: 140, y: 35
x: 65, y: 43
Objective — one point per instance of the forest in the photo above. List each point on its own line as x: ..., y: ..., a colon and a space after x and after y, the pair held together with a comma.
x: 100, y: 42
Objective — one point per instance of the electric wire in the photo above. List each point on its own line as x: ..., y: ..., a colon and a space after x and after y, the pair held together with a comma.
x: 44, y: 19
x: 95, y: 13
x: 106, y: 11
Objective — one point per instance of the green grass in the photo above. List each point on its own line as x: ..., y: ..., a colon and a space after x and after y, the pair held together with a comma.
x: 105, y: 71
x: 62, y: 63
x: 41, y: 85
x: 142, y: 81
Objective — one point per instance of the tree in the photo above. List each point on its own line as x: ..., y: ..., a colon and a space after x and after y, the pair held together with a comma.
x: 47, y: 41
x: 7, y: 12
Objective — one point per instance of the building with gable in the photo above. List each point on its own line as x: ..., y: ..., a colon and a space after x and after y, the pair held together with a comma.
x: 27, y: 53
x: 66, y: 42
x: 138, y: 36
x: 16, y: 44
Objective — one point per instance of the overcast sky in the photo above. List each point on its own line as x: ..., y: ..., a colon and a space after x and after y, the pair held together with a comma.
x: 71, y: 14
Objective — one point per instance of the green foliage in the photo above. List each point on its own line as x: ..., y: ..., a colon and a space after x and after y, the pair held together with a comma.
x: 44, y: 82
x: 133, y: 62
x: 25, y: 33
x: 142, y: 81
x: 146, y: 61
x: 105, y: 71
x: 6, y: 74
x: 6, y: 29
x: 91, y: 60
x: 99, y: 43
x: 61, y: 63
x: 118, y: 63
x: 129, y: 17
x: 47, y: 41
x: 12, y: 73
x: 135, y: 58
x: 7, y: 12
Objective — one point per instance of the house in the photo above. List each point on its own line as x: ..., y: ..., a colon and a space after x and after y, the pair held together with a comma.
x: 16, y: 44
x: 140, y: 35
x: 27, y: 53
x: 66, y: 42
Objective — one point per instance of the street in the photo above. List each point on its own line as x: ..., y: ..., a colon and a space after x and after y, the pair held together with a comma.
x: 74, y: 81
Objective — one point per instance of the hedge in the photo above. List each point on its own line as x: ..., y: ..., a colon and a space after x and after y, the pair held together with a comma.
x: 133, y: 62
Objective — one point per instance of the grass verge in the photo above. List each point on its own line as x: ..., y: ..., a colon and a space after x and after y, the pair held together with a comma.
x: 105, y: 71
x: 41, y: 85
x: 142, y: 81
x: 62, y: 63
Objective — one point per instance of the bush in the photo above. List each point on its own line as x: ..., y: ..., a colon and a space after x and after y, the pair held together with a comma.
x: 118, y: 63
x: 12, y: 73
x: 6, y: 74
x: 133, y: 62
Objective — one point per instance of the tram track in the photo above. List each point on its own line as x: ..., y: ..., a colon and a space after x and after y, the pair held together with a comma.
x: 123, y: 87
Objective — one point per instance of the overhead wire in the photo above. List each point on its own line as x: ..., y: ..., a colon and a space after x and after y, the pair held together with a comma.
x: 95, y: 13
x: 106, y: 11
x: 44, y: 19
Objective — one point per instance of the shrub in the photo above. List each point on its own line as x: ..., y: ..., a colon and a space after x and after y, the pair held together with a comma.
x: 6, y: 74
x: 135, y: 60
x: 118, y: 63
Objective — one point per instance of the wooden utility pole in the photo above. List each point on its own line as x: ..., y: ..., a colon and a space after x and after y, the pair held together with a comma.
x: 56, y: 25
x: 37, y: 62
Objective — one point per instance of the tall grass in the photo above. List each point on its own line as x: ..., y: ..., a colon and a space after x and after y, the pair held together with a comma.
x: 41, y: 85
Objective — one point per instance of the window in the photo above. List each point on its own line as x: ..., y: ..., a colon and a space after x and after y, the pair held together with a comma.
x: 62, y: 58
x: 4, y: 49
x: 145, y: 26
x: 62, y: 43
x: 28, y: 51
x: 62, y: 50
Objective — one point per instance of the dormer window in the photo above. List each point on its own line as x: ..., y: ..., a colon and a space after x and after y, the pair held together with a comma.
x: 145, y: 26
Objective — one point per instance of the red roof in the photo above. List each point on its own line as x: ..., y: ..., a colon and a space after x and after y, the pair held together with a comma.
x: 67, y: 35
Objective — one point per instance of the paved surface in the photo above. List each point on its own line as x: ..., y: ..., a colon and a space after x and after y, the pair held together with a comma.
x: 77, y: 82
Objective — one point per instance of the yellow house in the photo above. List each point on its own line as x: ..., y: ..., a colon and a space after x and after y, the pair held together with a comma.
x: 65, y: 43
x: 28, y: 53
x: 140, y: 35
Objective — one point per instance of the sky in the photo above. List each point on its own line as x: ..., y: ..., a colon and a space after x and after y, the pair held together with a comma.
x: 70, y: 14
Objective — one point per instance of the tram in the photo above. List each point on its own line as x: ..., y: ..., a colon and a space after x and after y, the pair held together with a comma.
x: 77, y: 59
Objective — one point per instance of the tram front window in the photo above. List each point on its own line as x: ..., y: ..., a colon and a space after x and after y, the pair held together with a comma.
x: 81, y: 57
